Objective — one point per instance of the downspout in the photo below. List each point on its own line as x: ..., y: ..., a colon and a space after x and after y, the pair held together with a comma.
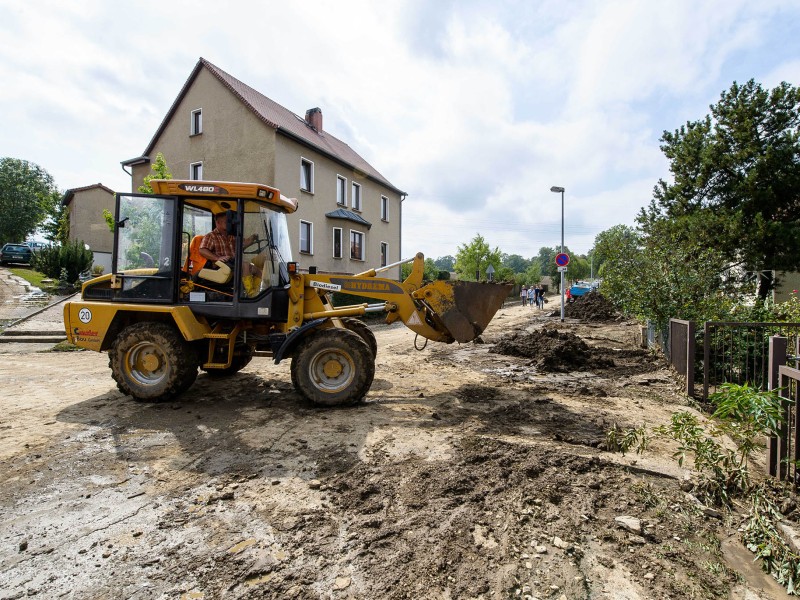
x: 403, y: 196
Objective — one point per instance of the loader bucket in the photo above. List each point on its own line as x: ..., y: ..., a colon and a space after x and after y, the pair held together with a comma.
x: 463, y: 308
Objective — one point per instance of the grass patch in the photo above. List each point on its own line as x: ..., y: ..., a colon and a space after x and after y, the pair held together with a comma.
x: 53, y: 286
x: 65, y: 346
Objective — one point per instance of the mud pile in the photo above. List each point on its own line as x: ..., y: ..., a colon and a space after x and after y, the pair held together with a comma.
x: 551, y: 350
x: 591, y: 307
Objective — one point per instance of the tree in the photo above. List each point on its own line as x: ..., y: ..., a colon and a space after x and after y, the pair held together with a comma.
x: 445, y: 263
x: 515, y: 262
x: 158, y: 170
x: 736, y: 176
x: 28, y: 195
x: 666, y: 274
x: 474, y: 258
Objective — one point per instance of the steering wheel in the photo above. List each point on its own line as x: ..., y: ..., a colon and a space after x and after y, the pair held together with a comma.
x: 259, y: 246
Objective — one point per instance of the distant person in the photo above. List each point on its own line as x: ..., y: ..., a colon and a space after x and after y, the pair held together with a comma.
x: 531, y: 296
x: 523, y: 294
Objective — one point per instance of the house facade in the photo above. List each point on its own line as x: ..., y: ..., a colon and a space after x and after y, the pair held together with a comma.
x: 219, y: 128
x: 85, y: 208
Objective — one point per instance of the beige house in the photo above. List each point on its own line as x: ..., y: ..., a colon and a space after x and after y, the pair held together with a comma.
x: 221, y: 129
x: 85, y: 208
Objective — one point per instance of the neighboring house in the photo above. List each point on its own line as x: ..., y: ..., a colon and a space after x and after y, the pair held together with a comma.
x: 788, y: 286
x: 85, y: 207
x: 221, y: 129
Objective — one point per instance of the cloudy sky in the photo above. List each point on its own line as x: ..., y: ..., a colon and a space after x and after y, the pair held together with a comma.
x: 475, y: 108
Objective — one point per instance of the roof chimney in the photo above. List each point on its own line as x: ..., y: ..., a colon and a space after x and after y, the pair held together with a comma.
x: 314, y: 118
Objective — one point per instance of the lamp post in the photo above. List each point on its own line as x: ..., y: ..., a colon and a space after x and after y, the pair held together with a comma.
x: 560, y: 190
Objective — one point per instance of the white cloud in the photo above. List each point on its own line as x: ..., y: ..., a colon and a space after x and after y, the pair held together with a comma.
x: 474, y: 108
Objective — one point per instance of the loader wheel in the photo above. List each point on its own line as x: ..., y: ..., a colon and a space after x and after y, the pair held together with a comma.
x: 333, y: 367
x: 151, y: 361
x: 361, y: 328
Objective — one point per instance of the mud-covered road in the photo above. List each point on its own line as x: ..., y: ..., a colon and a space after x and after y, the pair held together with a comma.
x: 466, y: 473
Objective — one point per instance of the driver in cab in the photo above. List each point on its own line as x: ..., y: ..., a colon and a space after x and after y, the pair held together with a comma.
x: 219, y: 245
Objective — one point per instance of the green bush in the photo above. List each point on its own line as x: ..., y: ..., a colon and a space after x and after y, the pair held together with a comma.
x: 64, y: 262
x: 443, y: 276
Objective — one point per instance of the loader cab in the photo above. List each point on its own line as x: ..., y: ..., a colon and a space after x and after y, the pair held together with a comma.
x: 156, y: 258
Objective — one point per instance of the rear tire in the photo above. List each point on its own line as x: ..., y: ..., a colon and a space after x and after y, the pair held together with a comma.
x: 362, y: 329
x: 333, y: 367
x: 151, y: 361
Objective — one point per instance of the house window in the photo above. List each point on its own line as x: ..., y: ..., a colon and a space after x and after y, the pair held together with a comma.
x: 337, y: 242
x: 196, y: 170
x: 306, y: 237
x: 384, y: 254
x: 356, y: 245
x: 341, y: 190
x: 196, y: 123
x: 306, y: 175
x: 356, y: 199
x: 384, y: 208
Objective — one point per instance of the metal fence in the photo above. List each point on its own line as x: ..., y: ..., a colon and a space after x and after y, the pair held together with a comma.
x: 735, y: 352
x: 784, y: 449
x: 681, y: 351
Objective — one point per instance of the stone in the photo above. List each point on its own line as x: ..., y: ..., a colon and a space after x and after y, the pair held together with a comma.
x: 631, y: 524
x: 23, y: 545
x: 649, y: 576
x: 341, y: 583
x: 541, y: 549
x: 559, y: 543
x: 315, y: 484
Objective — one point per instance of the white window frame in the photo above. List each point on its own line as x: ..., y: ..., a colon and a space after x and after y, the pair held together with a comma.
x: 384, y: 253
x: 341, y: 190
x: 384, y: 209
x: 310, y: 237
x: 355, y: 196
x: 333, y: 242
x: 310, y: 163
x: 196, y: 122
x: 196, y: 166
x: 363, y: 245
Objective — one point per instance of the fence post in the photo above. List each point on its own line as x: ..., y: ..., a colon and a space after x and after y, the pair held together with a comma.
x: 706, y: 360
x: 778, y: 445
x: 690, y: 350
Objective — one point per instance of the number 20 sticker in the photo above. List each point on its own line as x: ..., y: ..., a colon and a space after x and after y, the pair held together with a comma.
x: 85, y: 315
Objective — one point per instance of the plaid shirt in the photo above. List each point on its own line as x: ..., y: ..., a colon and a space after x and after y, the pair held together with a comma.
x: 219, y: 243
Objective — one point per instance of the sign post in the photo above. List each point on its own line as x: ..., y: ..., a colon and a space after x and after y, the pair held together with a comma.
x: 562, y: 260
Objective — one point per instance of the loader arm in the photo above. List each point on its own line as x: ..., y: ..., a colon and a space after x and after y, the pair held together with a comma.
x: 441, y: 311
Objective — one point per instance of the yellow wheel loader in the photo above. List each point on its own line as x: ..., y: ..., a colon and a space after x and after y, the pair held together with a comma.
x: 165, y: 311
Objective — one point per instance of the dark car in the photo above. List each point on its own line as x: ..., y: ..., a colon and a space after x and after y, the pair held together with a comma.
x: 16, y: 253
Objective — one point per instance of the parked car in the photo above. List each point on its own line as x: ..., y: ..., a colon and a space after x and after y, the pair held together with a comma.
x: 16, y: 253
x: 580, y: 289
x: 36, y: 246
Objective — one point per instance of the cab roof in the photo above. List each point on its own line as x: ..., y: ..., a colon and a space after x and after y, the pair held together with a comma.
x: 221, y: 189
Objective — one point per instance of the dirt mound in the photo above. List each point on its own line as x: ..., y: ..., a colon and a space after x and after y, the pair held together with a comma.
x: 551, y: 350
x: 591, y: 307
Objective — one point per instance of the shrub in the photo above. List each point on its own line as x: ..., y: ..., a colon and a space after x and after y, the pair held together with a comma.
x: 64, y: 262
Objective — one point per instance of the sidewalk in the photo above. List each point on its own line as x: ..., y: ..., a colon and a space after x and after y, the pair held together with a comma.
x: 26, y: 325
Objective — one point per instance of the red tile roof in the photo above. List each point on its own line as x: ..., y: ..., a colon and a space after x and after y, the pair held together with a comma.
x: 67, y: 198
x: 278, y: 117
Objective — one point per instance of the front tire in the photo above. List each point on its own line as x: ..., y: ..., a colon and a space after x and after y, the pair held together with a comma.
x: 333, y: 367
x: 151, y: 361
x: 362, y: 329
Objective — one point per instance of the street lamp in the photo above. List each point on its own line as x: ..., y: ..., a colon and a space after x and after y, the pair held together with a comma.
x: 560, y: 190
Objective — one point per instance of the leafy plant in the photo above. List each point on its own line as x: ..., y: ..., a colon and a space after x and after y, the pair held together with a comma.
x: 762, y: 537
x: 622, y: 440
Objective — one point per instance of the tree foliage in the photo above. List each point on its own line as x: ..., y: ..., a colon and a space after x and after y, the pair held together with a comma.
x: 158, y: 170
x: 445, y: 263
x: 28, y: 195
x: 475, y: 257
x: 665, y: 274
x: 736, y: 178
